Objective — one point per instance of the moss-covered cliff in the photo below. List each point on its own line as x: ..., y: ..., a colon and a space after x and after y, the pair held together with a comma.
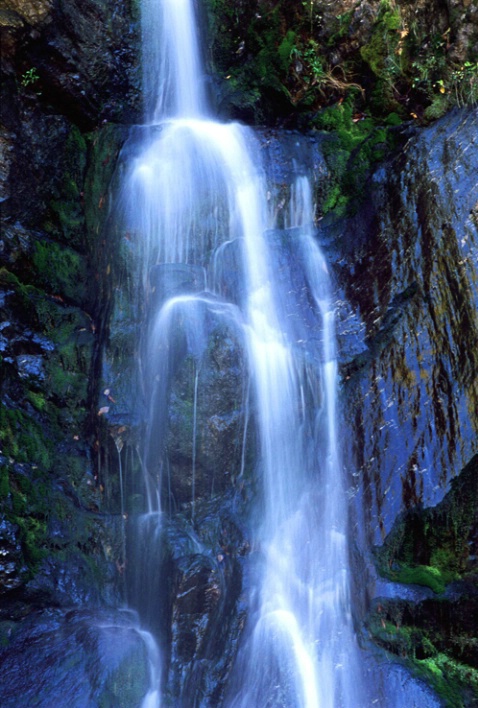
x: 67, y: 68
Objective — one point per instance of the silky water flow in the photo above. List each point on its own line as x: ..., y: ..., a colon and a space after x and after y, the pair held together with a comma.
x: 194, y: 190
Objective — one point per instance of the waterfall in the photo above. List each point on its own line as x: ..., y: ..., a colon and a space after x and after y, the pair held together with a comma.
x: 195, y: 190
x: 300, y: 649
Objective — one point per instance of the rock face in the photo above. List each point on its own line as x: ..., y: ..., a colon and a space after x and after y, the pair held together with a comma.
x: 407, y: 267
x: 78, y: 57
x: 59, y: 61
x: 410, y: 273
x: 95, y: 659
x: 431, y: 622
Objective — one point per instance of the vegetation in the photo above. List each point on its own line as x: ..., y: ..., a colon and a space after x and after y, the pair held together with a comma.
x: 66, y: 220
x: 433, y: 545
x: 42, y: 409
x: 59, y: 270
x: 30, y: 79
x: 354, y: 144
x: 427, y: 652
x: 306, y: 58
x: 435, y: 637
x: 355, y: 75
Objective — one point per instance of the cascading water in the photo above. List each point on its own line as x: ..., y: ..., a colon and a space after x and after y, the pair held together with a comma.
x: 301, y: 649
x: 193, y: 192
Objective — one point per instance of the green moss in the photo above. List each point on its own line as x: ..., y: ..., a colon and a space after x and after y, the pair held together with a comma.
x: 433, y: 547
x: 439, y: 537
x: 437, y: 108
x: 389, y: 15
x: 353, y: 148
x: 428, y: 576
x: 393, y: 120
x: 74, y: 468
x: 68, y: 328
x: 455, y: 683
x: 286, y: 48
x: 60, y: 270
x: 428, y: 651
x: 4, y: 483
x: 68, y: 366
x: 126, y: 685
x: 28, y: 509
x: 380, y: 52
x: 67, y: 204
x: 23, y: 438
x: 37, y: 400
x: 69, y: 215
x: 69, y: 385
x: 385, y: 58
x: 33, y: 536
x: 104, y: 149
x: 335, y: 201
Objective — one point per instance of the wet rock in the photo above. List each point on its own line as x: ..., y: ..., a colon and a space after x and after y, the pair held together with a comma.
x: 6, y: 149
x: 93, y: 658
x: 204, y: 442
x: 395, y: 680
x: 282, y: 152
x: 69, y: 579
x: 39, y: 141
x: 12, y: 566
x: 33, y: 12
x: 464, y: 18
x: 81, y: 56
x: 206, y: 614
x: 407, y: 266
x: 170, y: 279
x: 30, y: 367
x: 435, y: 546
x: 196, y: 565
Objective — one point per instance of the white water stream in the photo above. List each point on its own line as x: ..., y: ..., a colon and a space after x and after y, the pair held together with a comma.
x: 195, y: 186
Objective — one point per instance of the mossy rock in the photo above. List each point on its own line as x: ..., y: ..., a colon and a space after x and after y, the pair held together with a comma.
x: 424, y: 575
x: 67, y: 218
x: 354, y: 145
x: 435, y: 640
x: 127, y: 684
x: 435, y: 548
x: 60, y: 270
x: 23, y: 438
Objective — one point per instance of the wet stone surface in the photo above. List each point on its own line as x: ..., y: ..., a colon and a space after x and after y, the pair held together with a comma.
x: 408, y: 268
x: 92, y: 658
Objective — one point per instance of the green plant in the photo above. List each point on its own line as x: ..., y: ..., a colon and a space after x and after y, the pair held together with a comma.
x: 30, y: 77
x: 313, y: 14
x: 30, y: 80
x: 463, y: 83
x: 381, y: 53
x: 23, y: 438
